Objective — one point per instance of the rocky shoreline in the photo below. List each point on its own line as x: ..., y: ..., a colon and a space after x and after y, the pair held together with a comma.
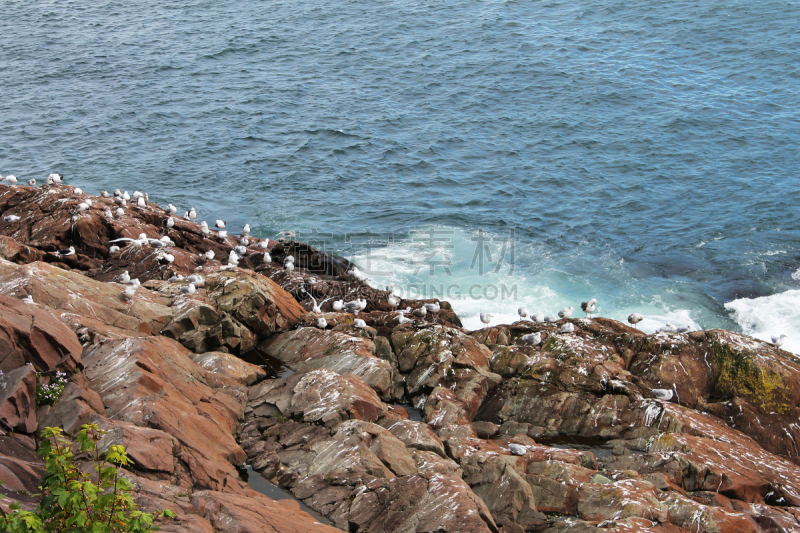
x: 565, y: 435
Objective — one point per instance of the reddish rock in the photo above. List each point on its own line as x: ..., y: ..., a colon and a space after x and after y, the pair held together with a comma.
x: 18, y: 400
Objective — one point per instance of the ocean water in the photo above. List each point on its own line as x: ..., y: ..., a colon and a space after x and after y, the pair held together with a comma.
x: 641, y: 152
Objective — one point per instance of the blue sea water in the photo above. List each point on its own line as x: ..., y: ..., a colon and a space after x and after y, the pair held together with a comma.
x: 642, y: 152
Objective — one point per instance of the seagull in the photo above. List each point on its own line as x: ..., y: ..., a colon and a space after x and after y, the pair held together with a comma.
x: 120, y: 212
x: 267, y: 258
x: 289, y: 234
x: 192, y: 214
x: 538, y: 317
x: 289, y: 266
x: 28, y: 299
x: 222, y: 234
x: 420, y: 312
x: 129, y: 292
x: 246, y: 229
x: 517, y: 449
x: 233, y: 258
x: 668, y: 328
x: 166, y: 258
x: 588, y: 307
x: 196, y: 280
x: 433, y: 308
x: 114, y: 249
x: 565, y: 312
x: 402, y: 319
x: 171, y: 209
x: 117, y: 192
x: 338, y: 305
x: 392, y: 301
x: 264, y: 244
x: 362, y: 303
x: 137, y: 194
x: 523, y: 312
x: 77, y: 191
x: 551, y: 318
x: 31, y: 182
x: 244, y: 241
x: 241, y: 250
x: 126, y: 196
x: 140, y: 202
x: 663, y: 394
x: 209, y: 255
x: 12, y: 180
x: 322, y: 323
x: 83, y: 206
x: 569, y: 327
x: 11, y: 218
x: 176, y: 277
x: 351, y: 307
x: 104, y: 194
x: 188, y: 289
x: 289, y: 259
x: 355, y: 272
x: 486, y: 317
x: 56, y: 178
x: 170, y: 222
x: 220, y: 224
x: 66, y: 252
x: 125, y: 277
x: 107, y: 213
x: 358, y: 323
x: 635, y: 318
x: 533, y: 338
x: 778, y: 340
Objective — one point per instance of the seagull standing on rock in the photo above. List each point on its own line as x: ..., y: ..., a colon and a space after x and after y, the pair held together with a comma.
x: 588, y: 307
x: 486, y: 317
x: 358, y: 323
x: 635, y: 318
x: 67, y: 252
x: 32, y: 182
x: 663, y: 394
x: 778, y: 340
x: 338, y: 305
x: 322, y: 323
x: 28, y: 299
x: 189, y: 289
x: 11, y: 218
x: 538, y: 317
x: 565, y: 312
x: 533, y: 338
x: 569, y: 327
x: 522, y: 312
x: 12, y: 180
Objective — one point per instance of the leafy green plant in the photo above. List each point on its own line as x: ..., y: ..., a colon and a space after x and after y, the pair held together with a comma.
x: 76, y: 501
x: 50, y: 393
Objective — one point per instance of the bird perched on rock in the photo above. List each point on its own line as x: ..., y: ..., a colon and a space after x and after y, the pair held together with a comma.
x: 32, y: 182
x: 11, y: 179
x: 140, y: 202
x: 189, y: 289
x: 129, y: 292
x: 83, y: 206
x: 196, y: 280
x: 125, y: 277
x: 358, y: 323
x: 635, y: 318
x: 778, y: 340
x: 192, y: 214
x: 137, y: 194
x: 565, y: 312
x: 233, y: 258
x: 537, y: 317
x: 246, y: 229
x: 222, y: 234
x: 433, y: 308
x: 171, y: 209
x: 244, y: 241
x: 402, y: 319
x: 533, y: 338
x: 176, y: 277
x: 55, y: 178
x: 668, y: 328
x: 322, y: 323
x: 120, y: 212
x: 267, y: 258
x: 114, y: 249
x: 289, y: 266
x: 107, y: 213
x: 66, y: 252
x: 220, y: 224
x: 28, y: 299
x: 419, y: 312
x: 588, y: 307
x: 338, y: 305
x: 170, y: 222
x: 551, y: 318
x: 522, y: 312
x: 392, y: 301
x: 77, y: 191
x: 241, y: 250
x: 126, y: 196
x: 209, y: 255
x: 351, y: 307
x: 486, y: 317
x: 517, y: 449
x: 569, y: 327
x: 264, y: 245
x: 663, y: 394
x: 104, y: 194
x: 11, y: 218
x: 165, y: 258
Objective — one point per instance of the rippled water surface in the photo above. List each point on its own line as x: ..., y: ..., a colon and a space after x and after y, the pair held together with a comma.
x: 644, y: 152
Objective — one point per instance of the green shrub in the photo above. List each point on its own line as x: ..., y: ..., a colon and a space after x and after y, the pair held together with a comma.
x: 73, y: 501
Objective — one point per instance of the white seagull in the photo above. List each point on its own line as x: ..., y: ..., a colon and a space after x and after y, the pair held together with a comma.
x: 565, y: 312
x: 522, y: 312
x: 533, y: 338
x: 588, y: 307
x: 635, y: 318
x: 778, y: 340
x: 663, y: 394
x: 322, y: 323
x: 189, y: 289
x: 486, y: 317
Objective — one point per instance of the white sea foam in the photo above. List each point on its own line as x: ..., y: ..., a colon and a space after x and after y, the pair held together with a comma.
x: 770, y: 315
